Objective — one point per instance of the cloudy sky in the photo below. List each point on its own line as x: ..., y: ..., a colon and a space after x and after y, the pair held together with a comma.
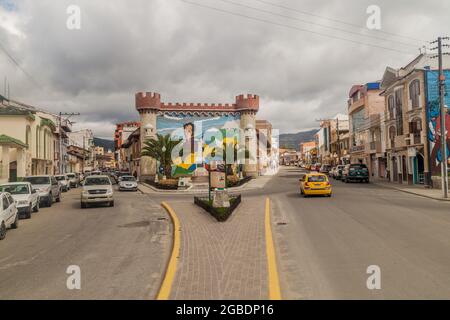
x: 297, y: 57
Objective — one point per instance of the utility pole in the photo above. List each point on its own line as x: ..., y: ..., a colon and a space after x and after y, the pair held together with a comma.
x: 338, y: 141
x: 60, y: 157
x: 443, y: 112
x: 443, y: 129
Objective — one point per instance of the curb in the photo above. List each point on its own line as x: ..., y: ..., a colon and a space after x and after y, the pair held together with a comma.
x: 410, y: 192
x: 274, y: 281
x: 166, y: 285
x: 191, y: 192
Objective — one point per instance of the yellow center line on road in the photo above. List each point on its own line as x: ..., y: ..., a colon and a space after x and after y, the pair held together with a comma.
x: 274, y: 282
x: 166, y: 286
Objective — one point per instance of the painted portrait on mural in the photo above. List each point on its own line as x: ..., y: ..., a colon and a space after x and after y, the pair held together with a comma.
x: 434, y: 120
x: 198, y: 136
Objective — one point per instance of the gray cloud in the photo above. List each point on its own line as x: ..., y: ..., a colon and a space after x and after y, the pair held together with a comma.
x: 192, y: 54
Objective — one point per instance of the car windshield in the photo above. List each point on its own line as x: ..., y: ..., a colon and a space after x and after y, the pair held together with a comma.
x: 37, y: 180
x: 128, y: 178
x: 71, y: 175
x: 317, y: 179
x: 60, y: 178
x: 100, y: 181
x: 15, y: 189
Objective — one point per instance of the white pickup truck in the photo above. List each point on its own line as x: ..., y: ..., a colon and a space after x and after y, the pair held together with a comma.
x: 26, y: 198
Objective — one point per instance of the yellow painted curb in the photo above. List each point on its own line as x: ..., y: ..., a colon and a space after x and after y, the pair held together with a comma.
x: 166, y: 286
x: 274, y: 282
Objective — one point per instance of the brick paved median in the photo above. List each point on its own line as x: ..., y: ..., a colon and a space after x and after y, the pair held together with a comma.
x: 224, y: 260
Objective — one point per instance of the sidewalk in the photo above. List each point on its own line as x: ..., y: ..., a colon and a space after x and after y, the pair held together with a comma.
x: 418, y: 190
x: 254, y: 184
x: 221, y: 260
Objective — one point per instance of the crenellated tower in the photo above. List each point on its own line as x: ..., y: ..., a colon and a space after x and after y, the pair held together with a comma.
x: 148, y: 104
x: 248, y: 105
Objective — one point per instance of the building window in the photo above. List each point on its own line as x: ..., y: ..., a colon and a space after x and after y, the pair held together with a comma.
x: 391, y: 107
x: 392, y: 132
x: 414, y: 93
x: 399, y: 111
x: 415, y: 127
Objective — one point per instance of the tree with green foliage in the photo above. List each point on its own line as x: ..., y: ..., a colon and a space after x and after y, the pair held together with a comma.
x: 160, y: 149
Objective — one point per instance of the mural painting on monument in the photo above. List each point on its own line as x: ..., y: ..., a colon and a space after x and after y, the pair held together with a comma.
x: 199, y: 135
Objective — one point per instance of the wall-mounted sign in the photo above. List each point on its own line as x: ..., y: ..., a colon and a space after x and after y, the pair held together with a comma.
x: 217, y: 179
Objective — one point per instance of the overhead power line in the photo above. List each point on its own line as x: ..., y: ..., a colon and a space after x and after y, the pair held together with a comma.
x: 294, y: 27
x: 318, y: 24
x: 334, y: 20
x: 17, y: 64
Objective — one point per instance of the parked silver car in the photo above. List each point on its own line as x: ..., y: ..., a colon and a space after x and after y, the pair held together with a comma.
x: 9, y: 218
x: 63, y: 181
x: 26, y: 198
x: 74, y: 179
x: 48, y: 188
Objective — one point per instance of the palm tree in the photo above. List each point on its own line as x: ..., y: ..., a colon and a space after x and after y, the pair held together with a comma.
x: 160, y: 149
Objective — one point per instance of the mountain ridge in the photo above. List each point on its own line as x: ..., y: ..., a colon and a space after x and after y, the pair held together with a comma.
x: 293, y: 140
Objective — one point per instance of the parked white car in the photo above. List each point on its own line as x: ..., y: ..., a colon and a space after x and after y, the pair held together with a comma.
x: 48, y: 188
x: 26, y: 198
x: 9, y: 217
x: 64, y: 181
x: 128, y: 183
x: 97, y: 189
x: 74, y: 179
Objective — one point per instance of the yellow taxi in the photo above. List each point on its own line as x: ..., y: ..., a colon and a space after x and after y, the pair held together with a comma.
x: 315, y: 184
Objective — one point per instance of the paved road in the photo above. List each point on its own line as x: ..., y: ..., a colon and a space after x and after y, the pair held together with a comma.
x: 326, y: 244
x: 122, y: 251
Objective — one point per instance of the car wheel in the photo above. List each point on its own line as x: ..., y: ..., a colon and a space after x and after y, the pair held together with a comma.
x: 111, y: 203
x: 83, y: 205
x: 49, y: 200
x: 2, y: 231
x: 59, y: 197
x: 28, y: 214
x: 15, y: 225
x: 36, y: 207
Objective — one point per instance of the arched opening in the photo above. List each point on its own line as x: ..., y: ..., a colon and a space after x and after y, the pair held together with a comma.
x: 45, y: 144
x: 420, y: 164
x: 38, y: 138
